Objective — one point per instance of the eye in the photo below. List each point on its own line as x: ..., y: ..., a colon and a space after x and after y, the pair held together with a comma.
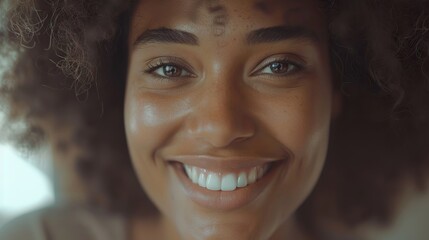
x: 166, y: 72
x: 169, y: 67
x: 171, y: 71
x: 279, y: 67
x: 284, y: 70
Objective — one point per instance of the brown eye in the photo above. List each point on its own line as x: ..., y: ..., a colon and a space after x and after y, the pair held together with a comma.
x: 169, y: 67
x: 279, y: 67
x: 171, y: 71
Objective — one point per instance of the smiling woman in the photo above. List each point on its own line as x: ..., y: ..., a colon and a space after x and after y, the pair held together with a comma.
x: 254, y: 102
x: 238, y: 119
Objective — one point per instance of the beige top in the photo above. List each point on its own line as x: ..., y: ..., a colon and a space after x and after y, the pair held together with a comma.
x: 65, y: 223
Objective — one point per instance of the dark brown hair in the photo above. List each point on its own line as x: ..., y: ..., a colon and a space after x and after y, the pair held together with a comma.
x: 70, y: 66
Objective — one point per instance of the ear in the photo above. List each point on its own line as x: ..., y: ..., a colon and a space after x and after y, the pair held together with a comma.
x: 337, y: 104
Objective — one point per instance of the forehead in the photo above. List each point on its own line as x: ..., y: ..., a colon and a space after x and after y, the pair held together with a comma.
x: 220, y: 17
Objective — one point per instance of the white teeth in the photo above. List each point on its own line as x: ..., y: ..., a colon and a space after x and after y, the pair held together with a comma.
x: 202, y: 180
x: 242, y: 180
x: 213, y: 182
x: 252, y: 176
x: 225, y: 182
x: 229, y: 182
x: 194, y: 176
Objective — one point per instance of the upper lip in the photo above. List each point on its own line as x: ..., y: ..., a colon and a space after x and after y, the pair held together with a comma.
x: 222, y: 163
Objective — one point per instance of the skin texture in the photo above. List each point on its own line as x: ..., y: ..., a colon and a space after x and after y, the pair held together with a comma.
x: 228, y: 103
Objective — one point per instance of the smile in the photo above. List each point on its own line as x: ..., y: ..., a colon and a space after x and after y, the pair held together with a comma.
x: 225, y: 181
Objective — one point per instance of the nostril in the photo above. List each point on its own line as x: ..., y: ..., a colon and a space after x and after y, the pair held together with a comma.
x: 240, y: 139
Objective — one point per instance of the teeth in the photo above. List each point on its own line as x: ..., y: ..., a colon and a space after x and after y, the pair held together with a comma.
x: 194, y: 176
x: 213, y: 182
x: 229, y: 182
x: 224, y: 182
x: 202, y: 180
x: 252, y: 176
x: 242, y: 180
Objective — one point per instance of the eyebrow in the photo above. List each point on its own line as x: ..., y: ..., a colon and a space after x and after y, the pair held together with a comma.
x: 263, y: 35
x: 280, y: 33
x: 166, y: 35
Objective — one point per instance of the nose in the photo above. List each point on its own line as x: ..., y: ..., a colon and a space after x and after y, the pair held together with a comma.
x: 221, y: 116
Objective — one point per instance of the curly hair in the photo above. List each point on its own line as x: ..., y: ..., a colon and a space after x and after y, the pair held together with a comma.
x: 68, y: 66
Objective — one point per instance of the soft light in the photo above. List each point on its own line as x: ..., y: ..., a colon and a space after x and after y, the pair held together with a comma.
x: 23, y: 187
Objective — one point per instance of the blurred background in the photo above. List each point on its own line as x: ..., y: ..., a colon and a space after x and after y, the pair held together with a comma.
x: 25, y: 182
x: 25, y: 178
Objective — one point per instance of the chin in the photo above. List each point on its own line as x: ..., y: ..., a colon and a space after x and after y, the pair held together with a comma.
x: 237, y: 231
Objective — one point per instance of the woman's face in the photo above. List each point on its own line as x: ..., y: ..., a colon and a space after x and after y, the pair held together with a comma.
x: 227, y: 112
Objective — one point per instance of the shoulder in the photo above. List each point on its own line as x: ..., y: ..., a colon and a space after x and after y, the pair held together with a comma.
x: 65, y: 223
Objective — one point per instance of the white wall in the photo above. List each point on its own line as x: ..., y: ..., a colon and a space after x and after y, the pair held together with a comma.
x: 23, y: 186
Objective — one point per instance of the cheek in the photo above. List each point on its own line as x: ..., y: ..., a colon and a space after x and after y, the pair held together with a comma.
x: 150, y: 121
x: 150, y: 124
x: 300, y: 121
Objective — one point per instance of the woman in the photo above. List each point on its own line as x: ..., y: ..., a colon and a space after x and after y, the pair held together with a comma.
x: 227, y: 110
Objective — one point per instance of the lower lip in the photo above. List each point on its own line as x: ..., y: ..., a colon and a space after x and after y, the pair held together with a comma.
x: 225, y: 200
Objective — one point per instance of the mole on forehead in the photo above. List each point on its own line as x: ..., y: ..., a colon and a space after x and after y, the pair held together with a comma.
x: 213, y: 7
x: 269, y: 6
x: 216, y: 9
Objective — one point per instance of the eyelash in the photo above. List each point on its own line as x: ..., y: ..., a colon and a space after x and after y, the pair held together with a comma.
x: 159, y: 63
x: 152, y: 67
x: 282, y: 60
